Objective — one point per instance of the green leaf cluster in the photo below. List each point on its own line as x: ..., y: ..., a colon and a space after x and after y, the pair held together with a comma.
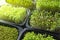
x: 23, y: 3
x: 8, y: 33
x: 13, y: 14
x: 49, y: 5
x: 45, y: 20
x: 33, y: 36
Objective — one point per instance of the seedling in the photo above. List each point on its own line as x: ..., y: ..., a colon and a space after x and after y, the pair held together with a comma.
x: 13, y: 14
x: 8, y: 33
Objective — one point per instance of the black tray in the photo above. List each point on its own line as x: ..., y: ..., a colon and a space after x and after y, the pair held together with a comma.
x: 27, y: 22
x: 12, y: 26
x: 55, y: 35
x: 24, y: 24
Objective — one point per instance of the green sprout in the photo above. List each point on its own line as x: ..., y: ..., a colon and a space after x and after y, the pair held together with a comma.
x: 45, y: 20
x: 8, y: 33
x: 13, y: 14
x: 57, y: 17
x: 23, y: 3
x: 33, y: 36
x: 49, y: 5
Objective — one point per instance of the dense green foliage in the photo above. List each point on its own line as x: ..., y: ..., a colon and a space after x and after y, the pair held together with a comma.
x: 8, y: 33
x: 13, y: 14
x: 49, y: 5
x: 24, y: 3
x: 33, y: 36
x: 45, y: 20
